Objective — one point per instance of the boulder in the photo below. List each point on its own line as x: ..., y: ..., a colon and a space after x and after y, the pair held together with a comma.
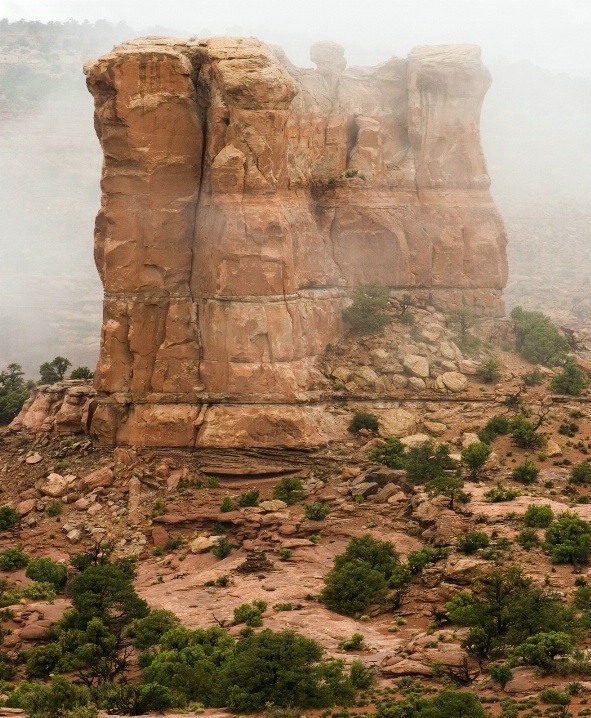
x: 416, y: 365
x: 435, y: 428
x: 98, y: 479
x: 396, y: 422
x: 454, y: 381
x: 272, y: 505
x: 56, y: 485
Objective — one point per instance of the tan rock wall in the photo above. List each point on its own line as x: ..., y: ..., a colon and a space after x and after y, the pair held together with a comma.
x: 243, y: 198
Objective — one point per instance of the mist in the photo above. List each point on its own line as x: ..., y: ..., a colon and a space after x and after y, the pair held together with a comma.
x: 536, y: 131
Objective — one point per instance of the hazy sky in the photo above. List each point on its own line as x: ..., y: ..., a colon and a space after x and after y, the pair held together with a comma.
x: 551, y: 33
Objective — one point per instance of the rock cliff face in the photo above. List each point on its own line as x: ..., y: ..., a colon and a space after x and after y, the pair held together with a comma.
x: 243, y: 198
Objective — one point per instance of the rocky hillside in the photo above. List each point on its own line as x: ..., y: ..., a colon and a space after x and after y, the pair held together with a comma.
x: 171, y: 508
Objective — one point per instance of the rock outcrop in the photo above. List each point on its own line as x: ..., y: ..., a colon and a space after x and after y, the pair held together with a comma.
x: 243, y: 198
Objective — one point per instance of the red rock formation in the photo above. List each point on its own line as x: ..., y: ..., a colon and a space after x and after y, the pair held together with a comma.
x: 243, y: 198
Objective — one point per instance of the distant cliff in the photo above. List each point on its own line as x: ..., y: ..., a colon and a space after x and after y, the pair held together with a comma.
x: 243, y: 199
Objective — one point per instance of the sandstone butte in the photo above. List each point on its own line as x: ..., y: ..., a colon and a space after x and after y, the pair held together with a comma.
x: 244, y: 198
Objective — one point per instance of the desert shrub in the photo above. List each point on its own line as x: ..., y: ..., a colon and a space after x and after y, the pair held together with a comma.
x: 537, y: 339
x: 360, y: 576
x: 363, y: 420
x: 285, y: 554
x: 533, y: 378
x: 366, y: 315
x: 13, y: 558
x: 501, y: 674
x: 47, y: 571
x: 568, y: 539
x: 147, y: 631
x: 499, y: 424
x: 581, y: 473
x: 362, y: 677
x: 250, y: 613
x: 490, y: 370
x: 289, y: 489
x: 508, y: 607
x: 571, y: 380
x: 475, y: 457
x: 539, y: 517
x: 81, y: 372
x: 450, y: 486
x: 417, y: 560
x: 541, y: 650
x: 226, y: 505
x: 54, y: 508
x: 9, y: 518
x: 427, y: 461
x: 282, y: 669
x: 13, y: 392
x: 249, y: 498
x: 525, y: 473
x: 316, y: 511
x: 525, y: 434
x: 528, y: 539
x: 472, y: 541
x: 500, y: 493
x: 54, y: 700
x: 391, y: 453
x: 223, y: 548
x: 355, y: 643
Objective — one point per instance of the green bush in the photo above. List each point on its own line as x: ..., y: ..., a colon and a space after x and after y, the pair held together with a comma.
x: 490, y: 370
x: 11, y: 559
x: 541, y: 650
x: 528, y: 539
x: 147, y: 632
x: 13, y: 392
x: 501, y: 674
x: 427, y: 461
x: 391, y: 453
x: 360, y: 576
x: 525, y: 434
x: 366, y: 315
x: 289, y: 489
x: 355, y: 643
x: 571, y: 381
x: 581, y: 473
x: 539, y: 517
x: 533, y: 378
x: 223, y: 548
x: 316, y: 511
x: 250, y: 613
x: 9, y: 518
x: 472, y: 541
x: 568, y: 539
x: 450, y: 486
x: 525, y: 473
x: 283, y: 669
x: 81, y: 372
x: 54, y: 508
x: 249, y: 498
x: 500, y: 493
x: 285, y: 554
x: 59, y: 699
x: 475, y: 457
x: 417, y: 560
x: 363, y: 420
x: 45, y: 570
x: 537, y: 339
x: 226, y: 505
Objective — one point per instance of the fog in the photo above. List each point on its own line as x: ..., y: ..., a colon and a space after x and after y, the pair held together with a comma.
x: 536, y: 134
x: 550, y: 33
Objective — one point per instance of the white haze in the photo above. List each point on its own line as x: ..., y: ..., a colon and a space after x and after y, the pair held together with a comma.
x: 550, y: 33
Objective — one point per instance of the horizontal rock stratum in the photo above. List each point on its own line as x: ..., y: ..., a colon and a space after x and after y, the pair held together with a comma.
x: 244, y: 198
